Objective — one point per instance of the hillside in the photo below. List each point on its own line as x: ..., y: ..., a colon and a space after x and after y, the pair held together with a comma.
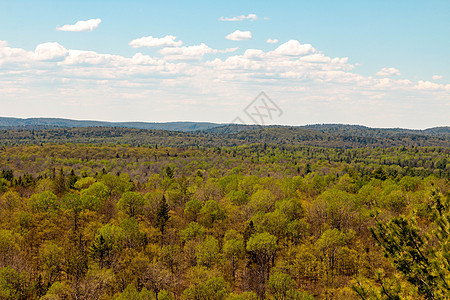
x: 9, y: 123
x: 269, y: 135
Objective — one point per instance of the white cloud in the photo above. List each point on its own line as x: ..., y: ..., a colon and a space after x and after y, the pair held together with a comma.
x: 88, y: 25
x: 388, y: 72
x: 294, y: 48
x: 85, y: 58
x: 141, y: 59
x: 3, y: 43
x: 190, y: 52
x: 272, y: 41
x: 50, y: 52
x: 15, y: 56
x: 253, y: 53
x: 239, y: 35
x: 149, y: 41
x: 297, y: 73
x: 428, y: 85
x: 437, y: 77
x: 251, y: 17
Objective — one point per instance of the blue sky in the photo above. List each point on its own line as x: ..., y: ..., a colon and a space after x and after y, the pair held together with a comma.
x: 375, y: 63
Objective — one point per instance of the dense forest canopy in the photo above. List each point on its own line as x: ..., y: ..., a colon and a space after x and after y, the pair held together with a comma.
x: 334, y: 136
x: 269, y: 213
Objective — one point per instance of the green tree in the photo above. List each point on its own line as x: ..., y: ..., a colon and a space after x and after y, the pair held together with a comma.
x: 15, y: 285
x: 207, y: 252
x: 131, y: 293
x: 3, y: 185
x: 282, y: 287
x: 51, y: 258
x: 234, y: 249
x: 131, y: 203
x: 60, y: 183
x: 192, y: 231
x: 100, y: 249
x: 421, y: 257
x: 162, y: 214
x: 192, y: 209
x: 84, y: 183
x: 43, y: 202
x: 214, y: 288
x: 97, y: 189
x: 210, y: 213
x: 263, y: 247
x: 169, y: 172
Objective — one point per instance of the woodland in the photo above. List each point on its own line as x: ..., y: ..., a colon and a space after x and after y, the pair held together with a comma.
x: 263, y: 213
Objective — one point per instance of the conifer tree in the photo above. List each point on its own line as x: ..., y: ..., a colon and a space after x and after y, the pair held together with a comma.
x: 162, y: 214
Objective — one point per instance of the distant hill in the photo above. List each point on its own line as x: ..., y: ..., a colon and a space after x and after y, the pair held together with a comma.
x: 281, y: 136
x: 358, y: 130
x: 68, y: 123
x: 54, y: 130
x: 341, y: 129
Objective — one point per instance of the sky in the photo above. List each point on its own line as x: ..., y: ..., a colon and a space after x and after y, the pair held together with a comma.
x: 374, y: 63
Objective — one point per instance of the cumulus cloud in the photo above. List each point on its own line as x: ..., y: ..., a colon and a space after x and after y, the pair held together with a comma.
x: 251, y: 17
x: 239, y: 35
x: 294, y: 48
x: 428, y: 85
x: 149, y: 41
x: 15, y: 56
x: 88, y: 25
x: 86, y: 58
x: 141, y: 59
x: 272, y: 41
x: 437, y: 77
x: 3, y: 43
x: 289, y: 69
x: 190, y: 52
x: 50, y: 52
x: 388, y: 72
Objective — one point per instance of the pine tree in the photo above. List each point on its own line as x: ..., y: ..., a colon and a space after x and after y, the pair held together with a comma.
x: 162, y: 214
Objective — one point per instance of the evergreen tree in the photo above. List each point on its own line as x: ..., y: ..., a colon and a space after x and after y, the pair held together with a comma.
x: 162, y: 214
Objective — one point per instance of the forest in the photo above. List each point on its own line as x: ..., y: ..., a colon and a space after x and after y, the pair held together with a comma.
x: 264, y: 213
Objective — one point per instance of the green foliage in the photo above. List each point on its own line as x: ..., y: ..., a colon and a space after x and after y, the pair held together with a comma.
x: 71, y: 201
x: 162, y: 214
x: 207, y: 252
x: 233, y: 249
x: 165, y: 295
x: 84, y: 183
x: 263, y: 245
x: 3, y: 185
x: 192, y: 209
x: 14, y: 285
x: 262, y: 201
x: 193, y: 230
x: 237, y: 197
x: 90, y: 202
x: 234, y: 244
x: 282, y: 286
x: 10, y: 201
x: 58, y: 290
x: 214, y: 288
x: 131, y: 293
x: 231, y: 222
x: 44, y: 202
x: 131, y: 203
x: 51, y: 258
x: 117, y: 185
x: 422, y: 258
x: 210, y: 213
x: 242, y: 296
x: 97, y: 189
